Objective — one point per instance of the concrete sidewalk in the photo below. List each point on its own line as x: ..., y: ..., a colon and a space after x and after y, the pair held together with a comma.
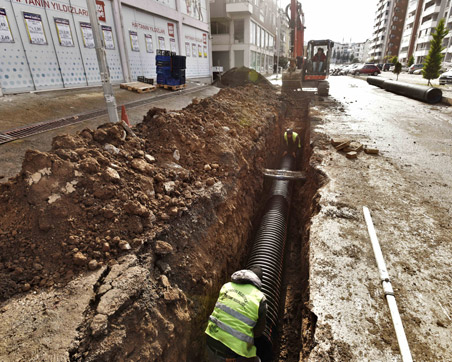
x: 26, y: 109
x: 23, y: 109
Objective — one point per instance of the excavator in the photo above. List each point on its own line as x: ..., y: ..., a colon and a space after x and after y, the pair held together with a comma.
x: 310, y: 71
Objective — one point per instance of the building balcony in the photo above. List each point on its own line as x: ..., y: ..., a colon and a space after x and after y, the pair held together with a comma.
x: 428, y: 24
x: 421, y: 53
x: 424, y: 39
x: 240, y: 6
x: 405, y: 43
x: 221, y: 39
x: 432, y: 10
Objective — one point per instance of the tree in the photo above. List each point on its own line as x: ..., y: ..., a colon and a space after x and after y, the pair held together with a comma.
x: 434, y: 58
x: 352, y: 56
x: 283, y: 62
x: 334, y: 54
x: 394, y: 60
x: 397, y: 69
x: 411, y: 61
x: 339, y: 55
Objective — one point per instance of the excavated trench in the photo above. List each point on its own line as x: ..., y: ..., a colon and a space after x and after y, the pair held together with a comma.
x: 153, y: 302
x: 293, y: 338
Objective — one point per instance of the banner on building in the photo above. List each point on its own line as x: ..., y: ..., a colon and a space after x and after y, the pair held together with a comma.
x: 187, y: 49
x: 173, y: 45
x: 64, y: 32
x: 107, y: 32
x: 35, y: 29
x: 162, y: 44
x: 5, y: 31
x: 100, y: 7
x: 149, y: 43
x: 171, y: 29
x: 204, y: 38
x: 205, y: 51
x: 199, y: 51
x: 87, y: 34
x: 134, y: 41
x: 193, y: 49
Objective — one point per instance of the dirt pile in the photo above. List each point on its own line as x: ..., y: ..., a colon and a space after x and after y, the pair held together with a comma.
x: 241, y: 76
x: 102, y: 194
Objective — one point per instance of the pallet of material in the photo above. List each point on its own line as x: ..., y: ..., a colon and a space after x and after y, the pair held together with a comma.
x: 172, y: 87
x: 138, y: 87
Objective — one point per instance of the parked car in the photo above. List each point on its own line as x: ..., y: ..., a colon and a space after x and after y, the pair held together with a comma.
x: 417, y: 72
x: 446, y: 77
x: 415, y: 67
x: 379, y: 66
x: 367, y: 69
x: 387, y: 66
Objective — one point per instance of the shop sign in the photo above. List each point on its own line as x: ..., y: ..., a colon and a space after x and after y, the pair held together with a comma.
x: 64, y: 32
x: 35, y: 29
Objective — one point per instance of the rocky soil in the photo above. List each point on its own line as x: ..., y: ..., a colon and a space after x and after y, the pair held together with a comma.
x: 112, y: 245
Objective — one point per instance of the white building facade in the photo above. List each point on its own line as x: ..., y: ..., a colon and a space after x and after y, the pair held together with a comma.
x: 48, y: 44
x: 420, y: 23
x: 244, y: 33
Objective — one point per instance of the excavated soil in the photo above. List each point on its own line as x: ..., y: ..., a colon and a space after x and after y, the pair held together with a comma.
x: 113, y: 247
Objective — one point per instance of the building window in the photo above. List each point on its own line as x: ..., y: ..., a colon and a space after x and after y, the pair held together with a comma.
x: 253, y: 33
x: 239, y: 31
x: 219, y: 27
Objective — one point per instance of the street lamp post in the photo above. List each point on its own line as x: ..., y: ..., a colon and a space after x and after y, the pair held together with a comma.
x: 102, y: 61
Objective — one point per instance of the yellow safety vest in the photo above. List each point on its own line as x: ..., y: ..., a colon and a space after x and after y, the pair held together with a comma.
x: 294, y: 137
x: 234, y: 317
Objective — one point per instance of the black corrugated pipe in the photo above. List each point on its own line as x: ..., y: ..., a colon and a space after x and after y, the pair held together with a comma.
x: 378, y: 81
x: 421, y: 93
x: 268, y: 253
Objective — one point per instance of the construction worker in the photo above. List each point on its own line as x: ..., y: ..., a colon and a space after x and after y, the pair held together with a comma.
x: 238, y: 318
x: 293, y: 143
x: 318, y: 60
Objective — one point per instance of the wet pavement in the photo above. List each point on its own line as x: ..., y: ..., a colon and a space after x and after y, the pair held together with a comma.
x: 402, y: 128
x: 407, y: 188
x: 29, y: 108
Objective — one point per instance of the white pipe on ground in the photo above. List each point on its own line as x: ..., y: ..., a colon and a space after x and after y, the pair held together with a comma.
x: 387, y: 288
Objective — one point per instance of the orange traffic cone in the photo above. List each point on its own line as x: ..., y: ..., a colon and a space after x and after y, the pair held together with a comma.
x: 124, y: 116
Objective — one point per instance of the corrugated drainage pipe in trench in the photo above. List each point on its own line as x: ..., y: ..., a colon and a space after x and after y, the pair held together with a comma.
x: 268, y: 253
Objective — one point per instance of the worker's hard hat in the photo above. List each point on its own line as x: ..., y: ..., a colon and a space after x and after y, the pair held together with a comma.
x: 289, y: 130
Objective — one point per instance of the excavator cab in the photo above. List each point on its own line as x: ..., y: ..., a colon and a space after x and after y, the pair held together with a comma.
x: 316, y: 65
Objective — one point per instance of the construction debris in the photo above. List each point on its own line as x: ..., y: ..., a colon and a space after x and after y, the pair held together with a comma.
x: 352, y: 148
x: 371, y: 150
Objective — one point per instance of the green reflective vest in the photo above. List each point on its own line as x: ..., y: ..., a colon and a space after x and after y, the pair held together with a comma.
x: 234, y: 317
x: 294, y: 138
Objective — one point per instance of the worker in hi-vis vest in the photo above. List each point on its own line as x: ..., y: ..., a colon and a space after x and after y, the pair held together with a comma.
x: 293, y: 143
x: 238, y: 317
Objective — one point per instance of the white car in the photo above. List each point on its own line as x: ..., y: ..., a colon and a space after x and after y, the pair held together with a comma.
x: 446, y: 77
x: 417, y: 71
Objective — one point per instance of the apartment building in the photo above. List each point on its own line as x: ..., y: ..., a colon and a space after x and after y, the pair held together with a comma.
x: 48, y: 44
x: 388, y: 29
x: 421, y: 20
x: 244, y: 33
x: 283, y: 34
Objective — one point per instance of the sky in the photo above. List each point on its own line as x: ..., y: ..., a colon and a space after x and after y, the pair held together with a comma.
x: 339, y: 21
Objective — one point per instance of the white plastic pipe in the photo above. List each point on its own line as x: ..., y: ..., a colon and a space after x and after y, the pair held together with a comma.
x: 387, y: 288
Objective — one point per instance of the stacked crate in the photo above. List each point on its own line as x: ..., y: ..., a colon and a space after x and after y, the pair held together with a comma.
x: 163, y: 63
x: 170, y: 68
